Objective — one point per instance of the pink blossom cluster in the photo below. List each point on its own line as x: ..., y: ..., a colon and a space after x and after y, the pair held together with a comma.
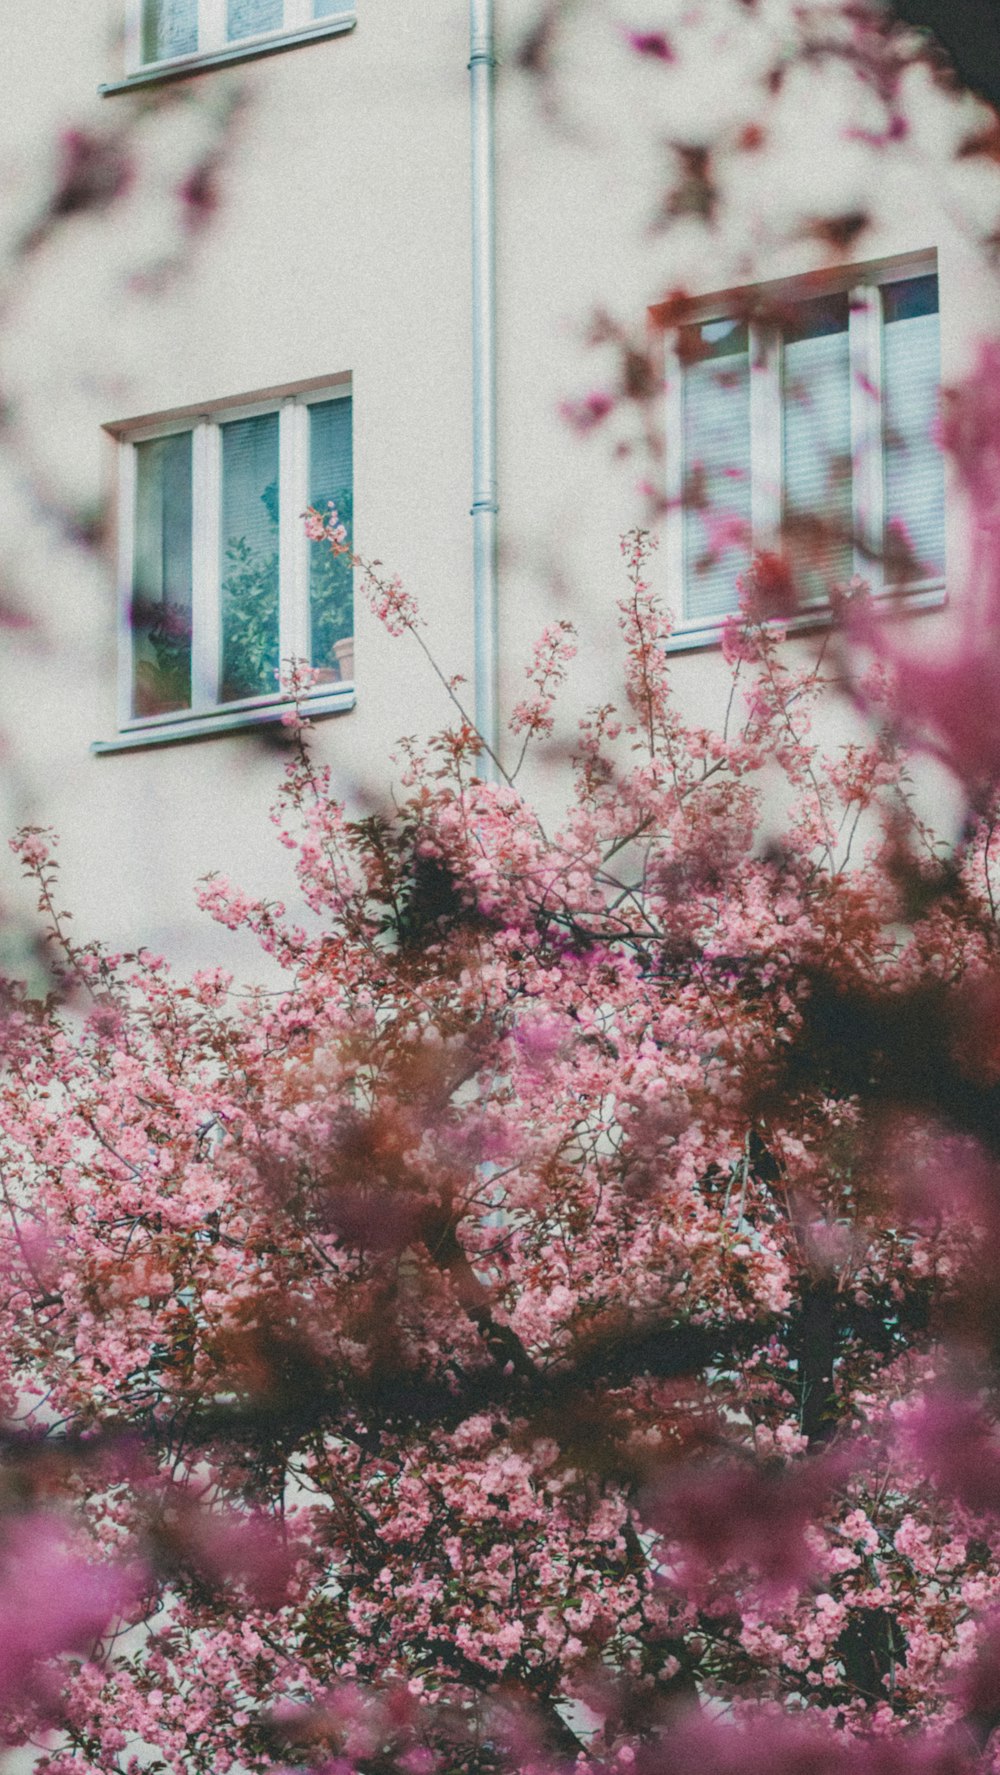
x: 553, y: 1329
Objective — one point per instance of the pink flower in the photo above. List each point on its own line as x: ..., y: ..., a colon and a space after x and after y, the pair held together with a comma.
x: 748, y: 1515
x: 34, y: 846
x: 394, y: 606
x: 769, y: 590
x: 247, y: 1551
x: 650, y: 43
x: 958, y: 1446
x: 52, y: 1600
x: 326, y: 527
x: 764, y: 1743
x: 589, y: 411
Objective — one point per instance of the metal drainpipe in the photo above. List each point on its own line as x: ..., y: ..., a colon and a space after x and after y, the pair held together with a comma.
x: 482, y: 63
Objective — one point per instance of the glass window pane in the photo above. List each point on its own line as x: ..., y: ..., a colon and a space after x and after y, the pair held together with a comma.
x: 161, y: 577
x: 914, y: 473
x: 249, y: 568
x: 716, y: 446
x: 331, y: 579
x: 169, y: 27
x: 816, y: 398
x: 246, y: 17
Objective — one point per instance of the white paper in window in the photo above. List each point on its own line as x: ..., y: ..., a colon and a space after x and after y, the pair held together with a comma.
x: 716, y: 450
x: 249, y: 567
x: 914, y: 474
x: 169, y: 28
x: 816, y: 402
x: 245, y: 18
x: 161, y: 577
x: 331, y: 579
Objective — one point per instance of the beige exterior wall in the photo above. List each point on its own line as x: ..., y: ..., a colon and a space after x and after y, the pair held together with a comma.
x: 342, y: 245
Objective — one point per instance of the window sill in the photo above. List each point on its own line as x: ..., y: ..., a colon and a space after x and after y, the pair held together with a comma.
x: 692, y: 638
x: 244, y: 51
x: 200, y: 727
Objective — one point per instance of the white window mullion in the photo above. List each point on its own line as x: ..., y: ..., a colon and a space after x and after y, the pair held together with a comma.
x: 206, y: 609
x: 765, y: 436
x: 293, y: 544
x: 866, y: 431
x: 212, y: 32
x: 298, y: 14
x: 126, y: 578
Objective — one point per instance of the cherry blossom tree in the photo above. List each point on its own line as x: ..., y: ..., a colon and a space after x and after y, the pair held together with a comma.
x: 557, y: 1325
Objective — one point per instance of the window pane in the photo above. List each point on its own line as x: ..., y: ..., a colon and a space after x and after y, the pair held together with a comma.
x: 250, y: 634
x: 816, y: 397
x: 246, y: 17
x: 331, y: 580
x: 914, y: 474
x: 169, y: 27
x: 161, y: 577
x: 716, y: 445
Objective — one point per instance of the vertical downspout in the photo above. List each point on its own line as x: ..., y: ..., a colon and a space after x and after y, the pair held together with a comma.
x: 482, y: 63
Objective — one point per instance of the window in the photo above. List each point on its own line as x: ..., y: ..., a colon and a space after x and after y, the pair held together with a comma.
x: 220, y: 585
x: 807, y: 418
x: 166, y: 30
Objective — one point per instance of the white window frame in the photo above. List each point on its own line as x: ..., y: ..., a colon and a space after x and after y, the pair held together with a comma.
x: 862, y: 284
x: 215, y: 46
x: 206, y: 713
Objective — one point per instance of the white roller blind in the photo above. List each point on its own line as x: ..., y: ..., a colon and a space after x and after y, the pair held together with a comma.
x: 716, y: 456
x: 169, y: 27
x: 914, y: 474
x: 816, y: 427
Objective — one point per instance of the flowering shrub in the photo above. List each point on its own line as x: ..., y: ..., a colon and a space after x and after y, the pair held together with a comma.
x: 564, y: 1306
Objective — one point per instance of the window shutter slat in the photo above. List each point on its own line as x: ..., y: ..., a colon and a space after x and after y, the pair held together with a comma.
x: 716, y: 455
x: 914, y: 473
